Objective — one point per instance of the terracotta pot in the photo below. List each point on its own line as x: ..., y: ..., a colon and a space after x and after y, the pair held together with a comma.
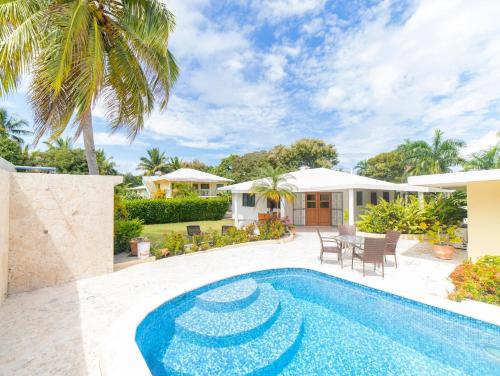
x: 133, y: 247
x: 444, y: 252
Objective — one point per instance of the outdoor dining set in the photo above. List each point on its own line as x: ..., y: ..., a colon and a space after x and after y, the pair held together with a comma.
x: 369, y: 250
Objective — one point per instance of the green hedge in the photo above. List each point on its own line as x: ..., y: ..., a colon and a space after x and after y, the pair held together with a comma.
x: 171, y: 210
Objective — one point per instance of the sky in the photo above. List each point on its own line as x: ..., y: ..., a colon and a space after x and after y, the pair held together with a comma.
x: 363, y: 75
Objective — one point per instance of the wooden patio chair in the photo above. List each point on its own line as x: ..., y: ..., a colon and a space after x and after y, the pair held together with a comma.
x: 193, y: 230
x: 225, y: 229
x: 372, y: 253
x: 347, y: 230
x: 392, y: 238
x: 337, y: 249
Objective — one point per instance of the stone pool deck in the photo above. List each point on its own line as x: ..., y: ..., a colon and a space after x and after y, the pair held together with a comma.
x: 58, y: 330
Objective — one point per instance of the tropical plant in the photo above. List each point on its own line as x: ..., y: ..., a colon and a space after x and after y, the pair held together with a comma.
x: 155, y: 161
x: 434, y: 158
x: 60, y: 143
x: 441, y: 234
x: 449, y: 210
x: 174, y: 163
x: 477, y: 281
x: 106, y: 164
x: 13, y: 127
x: 407, y: 217
x: 76, y: 51
x: 183, y: 190
x: 275, y: 186
x: 124, y: 231
x: 10, y: 150
x: 484, y: 160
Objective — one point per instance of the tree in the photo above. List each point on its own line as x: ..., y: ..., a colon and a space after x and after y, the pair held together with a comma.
x: 75, y: 51
x: 60, y: 143
x: 10, y: 150
x: 106, y: 164
x: 387, y: 166
x: 154, y: 162
x: 243, y: 167
x: 484, y: 160
x: 308, y: 152
x: 13, y: 127
x: 130, y: 180
x: 435, y: 158
x: 275, y: 186
x: 174, y: 163
x: 196, y: 165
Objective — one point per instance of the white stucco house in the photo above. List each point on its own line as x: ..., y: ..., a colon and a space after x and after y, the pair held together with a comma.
x: 204, y: 184
x: 323, y: 196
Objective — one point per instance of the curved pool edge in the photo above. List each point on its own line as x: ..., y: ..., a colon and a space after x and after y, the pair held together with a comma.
x: 120, y: 355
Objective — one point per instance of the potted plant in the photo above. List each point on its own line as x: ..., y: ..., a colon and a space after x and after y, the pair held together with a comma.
x: 442, y: 237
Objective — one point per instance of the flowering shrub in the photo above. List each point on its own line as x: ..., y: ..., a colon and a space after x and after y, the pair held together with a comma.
x: 478, y: 281
x: 271, y: 229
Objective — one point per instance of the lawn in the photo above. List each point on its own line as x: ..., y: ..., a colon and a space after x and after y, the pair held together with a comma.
x: 155, y: 233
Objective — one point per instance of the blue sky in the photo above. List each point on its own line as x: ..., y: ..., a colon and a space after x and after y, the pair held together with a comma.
x: 364, y: 75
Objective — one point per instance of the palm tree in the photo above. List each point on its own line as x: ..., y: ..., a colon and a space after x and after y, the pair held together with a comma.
x: 485, y: 159
x: 60, y: 143
x: 79, y: 52
x: 174, y: 163
x: 13, y: 127
x: 107, y: 165
x: 362, y: 168
x: 156, y: 161
x: 275, y: 186
x: 435, y: 158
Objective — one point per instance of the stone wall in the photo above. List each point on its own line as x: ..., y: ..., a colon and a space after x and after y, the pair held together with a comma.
x: 4, y: 226
x: 61, y: 228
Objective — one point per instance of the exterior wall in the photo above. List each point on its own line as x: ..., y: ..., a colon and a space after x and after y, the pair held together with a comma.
x: 4, y: 230
x: 61, y: 229
x: 167, y: 186
x: 483, y: 204
x: 244, y: 215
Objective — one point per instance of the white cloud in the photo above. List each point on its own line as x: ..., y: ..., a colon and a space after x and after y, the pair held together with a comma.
x: 275, y: 67
x: 488, y: 140
x: 277, y: 9
x: 109, y: 139
x: 388, y: 81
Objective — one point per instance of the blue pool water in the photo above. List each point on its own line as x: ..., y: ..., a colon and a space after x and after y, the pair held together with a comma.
x: 302, y: 322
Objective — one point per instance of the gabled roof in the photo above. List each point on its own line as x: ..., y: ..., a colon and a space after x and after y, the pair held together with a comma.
x: 324, y: 180
x: 189, y: 174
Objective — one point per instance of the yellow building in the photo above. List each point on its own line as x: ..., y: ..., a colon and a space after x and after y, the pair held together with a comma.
x: 483, y: 206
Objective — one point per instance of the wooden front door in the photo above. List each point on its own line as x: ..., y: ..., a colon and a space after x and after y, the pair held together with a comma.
x: 318, y: 209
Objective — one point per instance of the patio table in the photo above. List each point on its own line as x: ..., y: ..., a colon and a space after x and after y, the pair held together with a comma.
x: 354, y: 240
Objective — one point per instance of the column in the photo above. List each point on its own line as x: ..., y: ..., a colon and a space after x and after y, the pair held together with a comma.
x: 351, y: 207
x: 421, y: 200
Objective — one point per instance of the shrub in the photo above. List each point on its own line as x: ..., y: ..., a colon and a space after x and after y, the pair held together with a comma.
x: 478, y: 281
x: 120, y: 209
x: 125, y: 230
x: 448, y: 210
x: 175, y: 242
x: 408, y: 218
x: 183, y: 190
x: 152, y: 211
x: 271, y: 229
x: 159, y: 194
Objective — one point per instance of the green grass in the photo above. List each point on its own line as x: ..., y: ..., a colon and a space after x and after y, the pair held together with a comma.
x: 155, y: 233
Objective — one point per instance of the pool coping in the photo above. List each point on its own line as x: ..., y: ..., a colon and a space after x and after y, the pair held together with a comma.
x: 120, y: 355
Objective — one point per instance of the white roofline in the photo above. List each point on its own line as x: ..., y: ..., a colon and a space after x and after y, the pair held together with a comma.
x: 455, y: 179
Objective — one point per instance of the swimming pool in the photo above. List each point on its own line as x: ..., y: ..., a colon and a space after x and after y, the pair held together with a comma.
x: 302, y: 322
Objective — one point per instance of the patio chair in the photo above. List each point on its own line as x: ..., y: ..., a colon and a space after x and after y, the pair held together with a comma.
x: 391, y: 238
x: 372, y: 253
x: 337, y: 249
x: 347, y: 230
x: 193, y: 230
x: 226, y: 228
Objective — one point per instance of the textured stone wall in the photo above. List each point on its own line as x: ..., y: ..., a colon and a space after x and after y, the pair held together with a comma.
x: 4, y: 230
x: 61, y: 228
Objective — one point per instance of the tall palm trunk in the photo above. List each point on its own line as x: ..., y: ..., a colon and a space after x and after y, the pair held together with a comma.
x: 88, y: 141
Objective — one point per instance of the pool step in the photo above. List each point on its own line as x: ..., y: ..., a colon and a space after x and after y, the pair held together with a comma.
x: 267, y: 354
x: 230, y: 328
x: 229, y: 297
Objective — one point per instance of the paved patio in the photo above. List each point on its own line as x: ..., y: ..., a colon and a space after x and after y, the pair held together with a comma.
x: 58, y: 330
